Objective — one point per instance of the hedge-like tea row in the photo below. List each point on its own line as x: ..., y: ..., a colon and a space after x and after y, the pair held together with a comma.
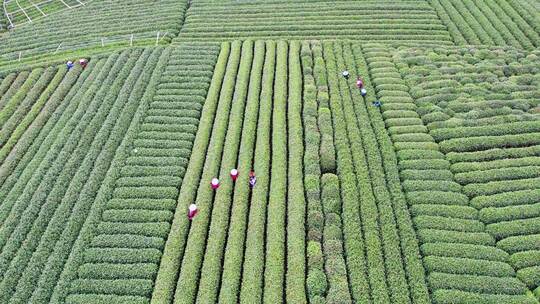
x: 49, y: 174
x: 241, y: 207
x: 221, y: 207
x: 76, y: 164
x: 316, y: 283
x: 489, y: 133
x: 380, y: 246
x: 490, y: 23
x: 407, y: 238
x: 296, y: 207
x: 119, y: 214
x: 406, y: 22
x: 192, y: 260
x: 222, y: 250
x: 275, y: 258
x: 352, y: 231
x: 17, y: 172
x: 443, y: 230
x: 176, y: 241
x: 335, y: 266
x: 12, y: 134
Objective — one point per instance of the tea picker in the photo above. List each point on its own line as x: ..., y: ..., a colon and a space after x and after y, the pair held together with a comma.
x: 252, y: 179
x: 363, y: 92
x: 345, y: 74
x: 69, y: 65
x: 192, y: 211
x: 214, y: 183
x: 359, y: 83
x: 234, y: 174
x: 83, y: 62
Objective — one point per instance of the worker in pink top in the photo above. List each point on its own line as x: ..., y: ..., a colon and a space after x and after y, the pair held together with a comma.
x: 214, y: 183
x: 192, y: 211
x: 83, y: 62
x: 359, y: 83
x: 234, y: 174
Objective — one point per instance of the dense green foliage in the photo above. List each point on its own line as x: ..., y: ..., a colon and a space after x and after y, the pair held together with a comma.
x: 406, y: 22
x: 84, y: 27
x: 424, y: 188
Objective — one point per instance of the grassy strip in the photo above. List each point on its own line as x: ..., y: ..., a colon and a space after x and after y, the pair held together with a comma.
x: 252, y: 281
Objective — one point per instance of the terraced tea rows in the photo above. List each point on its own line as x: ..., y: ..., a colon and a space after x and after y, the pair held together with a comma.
x: 461, y: 238
x: 205, y: 258
x: 395, y: 149
x: 54, y: 172
x: 491, y: 136
x: 85, y: 26
x: 19, y: 12
x: 407, y: 22
x: 497, y: 22
x: 126, y: 233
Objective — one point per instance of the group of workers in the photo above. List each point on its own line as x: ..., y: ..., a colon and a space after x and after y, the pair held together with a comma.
x: 360, y: 86
x: 83, y: 62
x: 214, y: 183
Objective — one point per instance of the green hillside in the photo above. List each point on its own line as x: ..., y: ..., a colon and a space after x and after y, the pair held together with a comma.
x: 423, y: 187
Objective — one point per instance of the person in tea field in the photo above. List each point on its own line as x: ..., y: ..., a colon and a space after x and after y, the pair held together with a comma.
x: 214, y: 183
x: 192, y: 211
x: 252, y: 179
x: 345, y: 74
x: 359, y: 83
x: 69, y: 65
x: 363, y: 92
x: 377, y: 103
x: 83, y: 62
x: 234, y: 175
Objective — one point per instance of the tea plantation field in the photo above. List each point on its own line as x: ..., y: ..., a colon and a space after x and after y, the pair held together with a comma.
x: 423, y: 187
